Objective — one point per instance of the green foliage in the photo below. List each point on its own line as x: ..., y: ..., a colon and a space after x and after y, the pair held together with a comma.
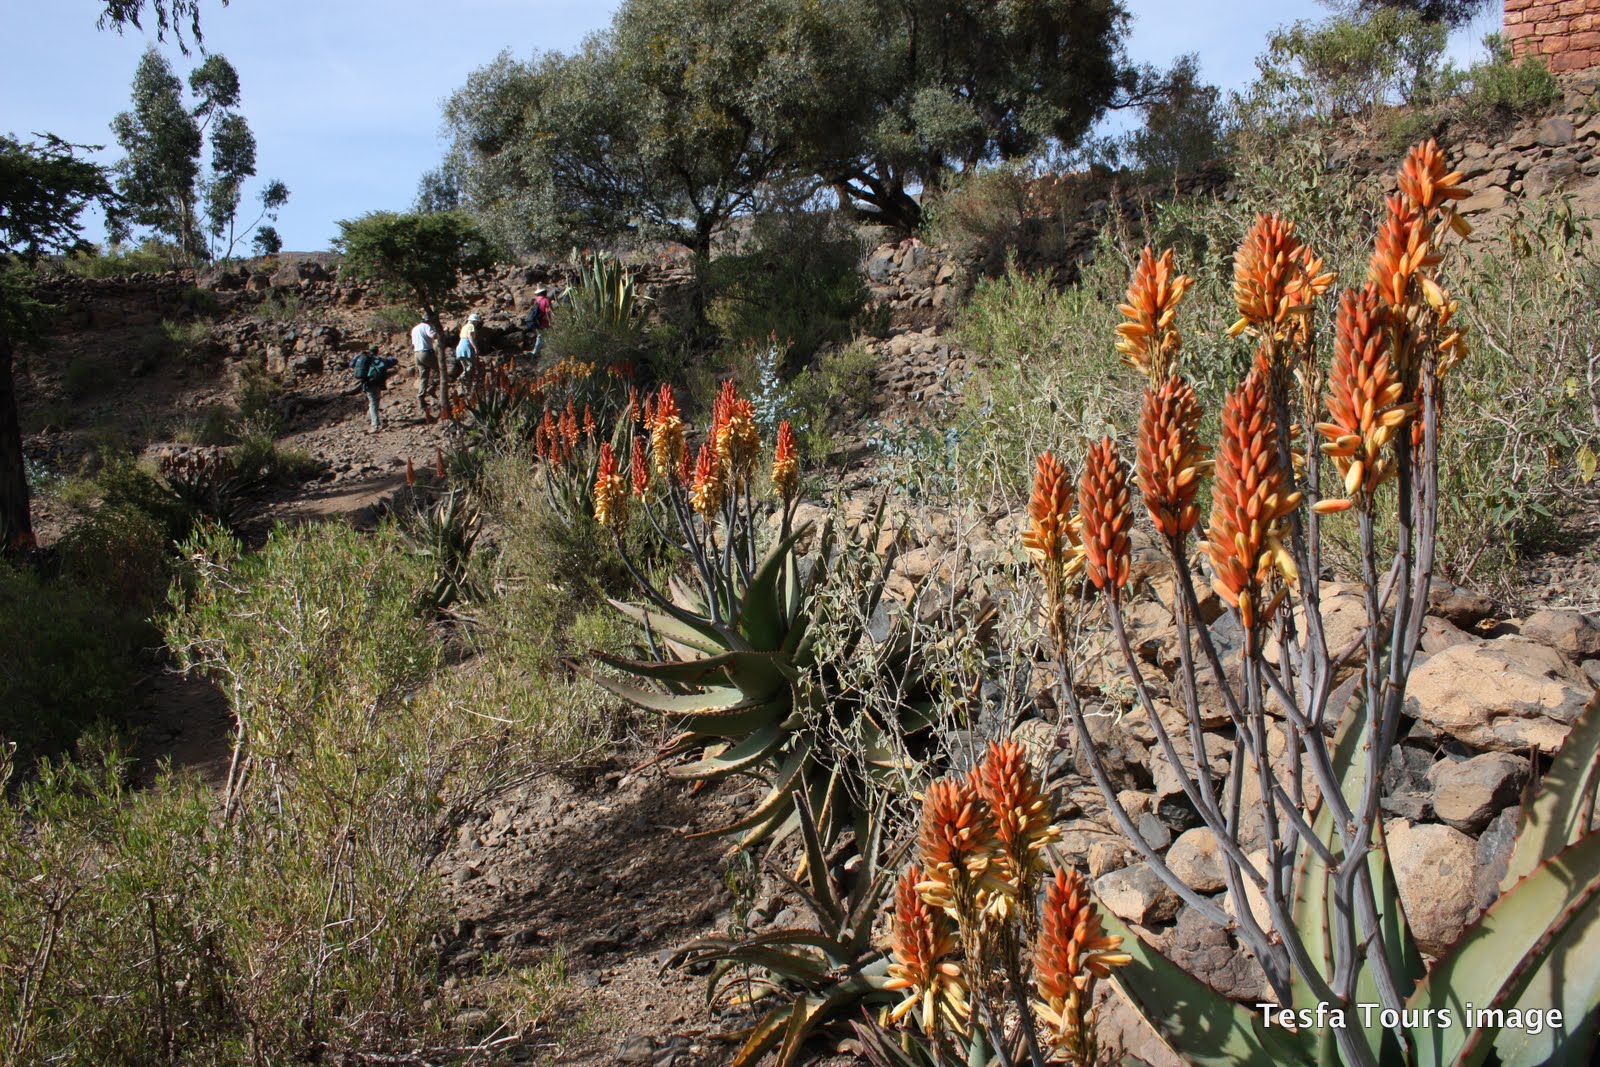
x: 44, y: 188
x: 600, y: 320
x: 796, y: 278
x: 150, y: 256
x: 1050, y: 378
x: 687, y: 112
x: 1182, y: 125
x: 820, y: 972
x: 70, y: 661
x: 1347, y: 66
x: 1501, y: 89
x: 825, y: 398
x: 416, y: 257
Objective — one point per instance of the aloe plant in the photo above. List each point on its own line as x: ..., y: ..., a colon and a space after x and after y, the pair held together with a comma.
x: 734, y: 658
x: 817, y: 973
x: 1333, y: 944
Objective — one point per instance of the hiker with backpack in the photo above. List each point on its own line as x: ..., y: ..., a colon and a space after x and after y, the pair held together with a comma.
x: 371, y: 371
x: 425, y: 350
x: 538, y: 319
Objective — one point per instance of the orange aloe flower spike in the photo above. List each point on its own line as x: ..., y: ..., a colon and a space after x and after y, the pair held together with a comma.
x: 610, y: 491
x: 1106, y: 516
x: 1172, y: 461
x: 1149, y: 342
x: 922, y: 940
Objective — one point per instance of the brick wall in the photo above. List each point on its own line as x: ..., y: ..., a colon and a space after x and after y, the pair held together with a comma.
x: 1565, y: 32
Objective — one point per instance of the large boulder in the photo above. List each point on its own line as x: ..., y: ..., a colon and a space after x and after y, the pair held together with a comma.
x: 1508, y: 694
x: 1434, y: 867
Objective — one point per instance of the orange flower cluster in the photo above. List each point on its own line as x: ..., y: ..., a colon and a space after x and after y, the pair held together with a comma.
x: 555, y: 438
x: 610, y: 491
x: 1149, y: 341
x: 706, y: 494
x: 1023, y: 814
x: 1171, y: 458
x: 1106, y: 517
x: 1275, y: 279
x: 734, y: 435
x: 785, y: 463
x: 1406, y: 253
x: 1250, y: 498
x: 667, y: 445
x: 1073, y: 952
x: 923, y: 940
x: 965, y: 868
x: 1052, y: 539
x: 1365, y: 411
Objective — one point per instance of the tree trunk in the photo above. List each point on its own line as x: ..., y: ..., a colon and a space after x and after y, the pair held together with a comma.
x: 16, y: 521
x: 882, y: 203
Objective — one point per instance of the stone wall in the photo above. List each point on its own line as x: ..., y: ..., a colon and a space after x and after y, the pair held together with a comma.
x: 1566, y: 33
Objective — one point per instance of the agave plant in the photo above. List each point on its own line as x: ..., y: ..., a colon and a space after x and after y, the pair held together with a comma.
x: 205, y: 480
x: 818, y: 972
x: 734, y: 660
x: 443, y: 523
x: 1347, y: 984
x: 606, y: 297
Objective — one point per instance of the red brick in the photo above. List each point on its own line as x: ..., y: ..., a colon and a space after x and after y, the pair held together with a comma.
x: 1582, y: 22
x: 1552, y: 29
x: 1518, y: 5
x: 1573, y: 7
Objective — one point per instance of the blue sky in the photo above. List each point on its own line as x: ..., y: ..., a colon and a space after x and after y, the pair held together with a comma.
x: 344, y: 95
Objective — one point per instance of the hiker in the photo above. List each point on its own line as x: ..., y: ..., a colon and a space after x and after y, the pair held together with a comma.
x: 538, y: 319
x: 467, y: 347
x: 371, y: 371
x: 425, y: 349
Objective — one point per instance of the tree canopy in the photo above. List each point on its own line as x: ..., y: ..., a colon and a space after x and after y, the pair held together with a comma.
x: 419, y: 256
x: 686, y: 113
x: 170, y: 18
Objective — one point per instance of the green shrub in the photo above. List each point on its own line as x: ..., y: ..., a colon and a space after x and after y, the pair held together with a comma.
x: 823, y: 399
x: 152, y: 256
x: 796, y: 278
x: 279, y: 305
x: 69, y: 661
x: 86, y: 375
x: 1347, y: 66
x: 1502, y: 89
x: 392, y: 318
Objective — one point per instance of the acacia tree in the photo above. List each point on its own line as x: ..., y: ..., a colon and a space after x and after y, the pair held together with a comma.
x: 44, y: 188
x: 667, y: 125
x: 943, y: 85
x: 418, y: 256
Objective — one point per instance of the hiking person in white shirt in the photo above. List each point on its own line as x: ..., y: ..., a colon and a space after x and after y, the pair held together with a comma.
x: 425, y: 348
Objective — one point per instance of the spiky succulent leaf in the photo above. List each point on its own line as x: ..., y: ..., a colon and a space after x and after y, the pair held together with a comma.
x: 1205, y: 1029
x: 1554, y: 819
x: 1498, y: 957
x: 743, y: 756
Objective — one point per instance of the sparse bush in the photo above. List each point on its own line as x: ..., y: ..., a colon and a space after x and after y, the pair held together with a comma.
x: 279, y: 305
x: 150, y: 256
x: 795, y: 278
x: 1009, y: 210
x: 1501, y: 89
x: 823, y: 399
x: 392, y: 318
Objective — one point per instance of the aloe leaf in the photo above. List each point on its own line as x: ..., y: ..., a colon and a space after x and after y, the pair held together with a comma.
x: 1201, y: 1027
x: 754, y: 673
x: 742, y: 756
x: 778, y: 802
x: 761, y: 612
x: 822, y: 889
x: 1567, y: 979
x: 1500, y: 954
x: 717, y: 700
x: 1552, y: 821
x: 693, y: 633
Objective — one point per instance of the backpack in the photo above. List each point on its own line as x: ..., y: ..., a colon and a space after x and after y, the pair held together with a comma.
x: 363, y: 366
